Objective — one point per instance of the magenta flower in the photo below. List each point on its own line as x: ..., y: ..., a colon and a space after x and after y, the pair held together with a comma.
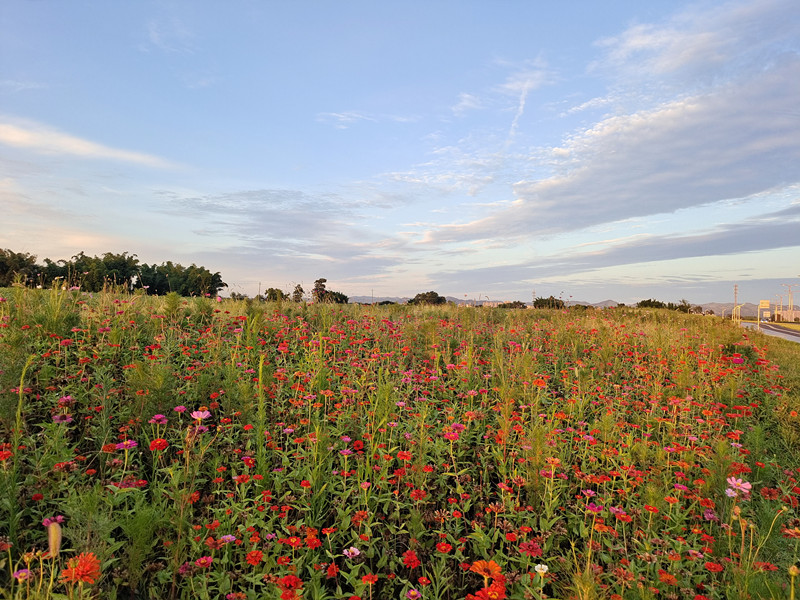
x: 200, y: 414
x: 127, y: 445
x: 158, y: 420
x: 204, y: 562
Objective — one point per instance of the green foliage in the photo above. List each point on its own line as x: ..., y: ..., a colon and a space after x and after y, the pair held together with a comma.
x: 275, y: 295
x: 550, y: 302
x: 321, y: 294
x: 683, y: 306
x: 431, y: 298
x: 17, y: 264
x: 117, y: 272
x: 514, y: 304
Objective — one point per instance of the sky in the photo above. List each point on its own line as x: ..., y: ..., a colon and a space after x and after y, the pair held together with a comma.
x: 485, y: 150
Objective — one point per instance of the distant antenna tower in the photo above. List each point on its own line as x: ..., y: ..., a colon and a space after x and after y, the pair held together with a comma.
x: 736, y: 295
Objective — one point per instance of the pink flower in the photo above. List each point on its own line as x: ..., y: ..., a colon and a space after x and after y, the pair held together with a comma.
x: 204, y: 562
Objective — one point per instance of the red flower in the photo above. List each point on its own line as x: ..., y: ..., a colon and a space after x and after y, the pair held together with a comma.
x: 290, y: 582
x: 667, y: 578
x: 158, y: 444
x: 333, y: 570
x: 204, y: 562
x: 418, y: 494
x: 410, y: 559
x: 83, y: 568
x: 254, y: 557
x: 444, y: 547
x: 404, y: 455
x: 369, y: 579
x: 714, y: 567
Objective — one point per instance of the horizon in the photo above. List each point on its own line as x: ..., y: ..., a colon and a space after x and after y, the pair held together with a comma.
x: 619, y: 152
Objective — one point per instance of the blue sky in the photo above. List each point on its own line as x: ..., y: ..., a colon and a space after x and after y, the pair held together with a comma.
x: 582, y: 149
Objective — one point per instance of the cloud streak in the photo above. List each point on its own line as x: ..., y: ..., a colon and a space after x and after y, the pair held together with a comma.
x: 44, y: 140
x: 735, y: 142
x: 769, y: 232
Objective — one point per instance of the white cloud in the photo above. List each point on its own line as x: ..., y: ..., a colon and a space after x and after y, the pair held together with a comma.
x: 740, y: 139
x: 13, y: 86
x: 466, y: 103
x: 170, y: 35
x: 343, y: 120
x: 39, y: 138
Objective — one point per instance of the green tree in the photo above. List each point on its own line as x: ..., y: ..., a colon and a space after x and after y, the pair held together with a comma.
x: 428, y: 298
x: 335, y: 297
x: 514, y: 304
x: 319, y: 291
x: 550, y: 302
x: 297, y: 293
x: 121, y: 269
x: 275, y: 295
x: 650, y: 303
x: 17, y: 264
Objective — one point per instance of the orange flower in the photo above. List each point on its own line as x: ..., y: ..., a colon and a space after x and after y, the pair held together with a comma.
x: 487, y: 569
x: 84, y: 568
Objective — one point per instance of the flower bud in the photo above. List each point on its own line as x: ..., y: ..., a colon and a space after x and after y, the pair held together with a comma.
x: 53, y: 539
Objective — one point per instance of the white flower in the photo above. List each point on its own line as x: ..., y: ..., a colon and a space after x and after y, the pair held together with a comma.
x: 541, y: 569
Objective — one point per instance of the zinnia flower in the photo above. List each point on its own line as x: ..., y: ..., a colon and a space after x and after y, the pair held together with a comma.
x: 485, y: 568
x: 84, y: 568
x: 158, y: 444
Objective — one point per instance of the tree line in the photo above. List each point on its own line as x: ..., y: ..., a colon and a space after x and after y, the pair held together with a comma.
x: 96, y: 273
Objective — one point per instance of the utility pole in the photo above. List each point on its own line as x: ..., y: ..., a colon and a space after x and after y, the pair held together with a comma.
x: 791, y: 300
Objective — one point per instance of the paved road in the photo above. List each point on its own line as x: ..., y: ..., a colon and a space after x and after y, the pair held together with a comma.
x: 777, y: 330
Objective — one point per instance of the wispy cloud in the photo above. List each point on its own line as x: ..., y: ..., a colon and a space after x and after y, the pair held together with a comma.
x: 171, y: 35
x: 769, y: 232
x: 11, y: 86
x: 466, y: 103
x: 292, y: 227
x: 343, y: 120
x: 737, y: 140
x: 46, y: 140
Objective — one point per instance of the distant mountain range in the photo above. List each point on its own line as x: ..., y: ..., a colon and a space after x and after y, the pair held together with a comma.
x: 720, y: 308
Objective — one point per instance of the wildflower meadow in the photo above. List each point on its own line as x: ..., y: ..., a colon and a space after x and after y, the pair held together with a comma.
x: 177, y: 448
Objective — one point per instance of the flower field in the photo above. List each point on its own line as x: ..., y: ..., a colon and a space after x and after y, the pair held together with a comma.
x: 183, y: 448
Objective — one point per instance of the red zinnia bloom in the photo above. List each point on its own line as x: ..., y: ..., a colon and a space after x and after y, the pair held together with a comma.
x: 404, y: 455
x: 714, y: 567
x: 444, y: 547
x: 254, y: 557
x: 369, y: 578
x: 418, y: 494
x: 158, y: 444
x: 290, y: 582
x: 668, y: 578
x: 83, y: 568
x: 204, y: 562
x: 410, y: 559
